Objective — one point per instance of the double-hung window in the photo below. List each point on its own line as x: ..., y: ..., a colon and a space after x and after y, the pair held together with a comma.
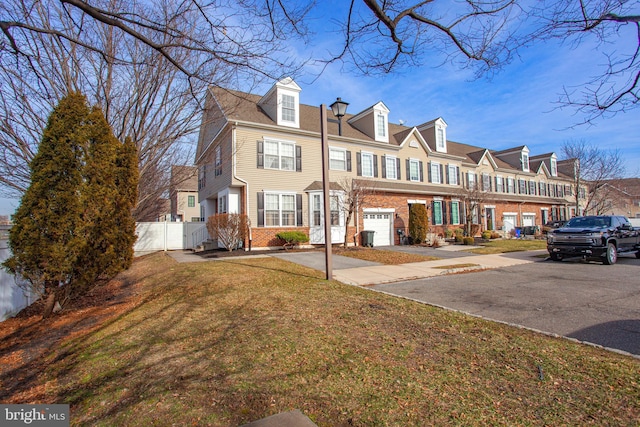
x: 435, y: 173
x: 390, y: 167
x: 288, y: 108
x: 455, y: 212
x: 279, y: 155
x: 511, y: 185
x: 486, y: 182
x: 499, y: 184
x: 367, y: 164
x: 471, y: 177
x: 191, y: 201
x: 279, y: 209
x: 337, y: 159
x: 437, y: 212
x: 440, y: 140
x: 414, y: 170
x: 453, y: 175
x: 381, y: 126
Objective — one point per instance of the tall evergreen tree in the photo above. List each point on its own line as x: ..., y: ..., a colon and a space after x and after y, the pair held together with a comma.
x: 75, y: 224
x: 44, y: 240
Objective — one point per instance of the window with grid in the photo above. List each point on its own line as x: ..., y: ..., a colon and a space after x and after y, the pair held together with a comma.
x: 455, y: 213
x: 440, y: 140
x: 288, y: 108
x: 435, y: 173
x: 499, y: 184
x: 486, y: 182
x: 191, y: 201
x: 367, y: 164
x: 453, y: 175
x: 337, y: 159
x: 279, y: 209
x: 279, y: 155
x: 218, y: 170
x: 437, y: 212
x: 382, y: 129
x: 390, y: 163
x: 414, y: 170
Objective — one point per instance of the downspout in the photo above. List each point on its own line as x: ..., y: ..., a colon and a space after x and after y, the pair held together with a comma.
x: 235, y: 176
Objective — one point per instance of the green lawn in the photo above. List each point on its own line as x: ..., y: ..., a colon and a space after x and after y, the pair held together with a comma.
x: 228, y: 342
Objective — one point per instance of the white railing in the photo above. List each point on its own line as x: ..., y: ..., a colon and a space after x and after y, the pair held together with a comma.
x: 198, y: 236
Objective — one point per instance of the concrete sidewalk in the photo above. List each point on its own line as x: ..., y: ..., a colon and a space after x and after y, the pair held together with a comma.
x: 380, y: 274
x: 357, y: 272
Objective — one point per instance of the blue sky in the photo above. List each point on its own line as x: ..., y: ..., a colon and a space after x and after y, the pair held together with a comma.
x: 516, y: 106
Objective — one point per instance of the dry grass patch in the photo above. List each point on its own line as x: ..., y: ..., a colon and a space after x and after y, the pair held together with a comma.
x: 463, y: 265
x: 228, y: 342
x: 511, y: 245
x: 382, y: 256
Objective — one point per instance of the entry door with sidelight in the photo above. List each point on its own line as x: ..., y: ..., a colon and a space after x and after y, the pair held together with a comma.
x: 316, y: 210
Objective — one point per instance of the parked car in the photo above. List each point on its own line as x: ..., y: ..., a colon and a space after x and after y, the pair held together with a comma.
x: 552, y: 225
x: 599, y: 237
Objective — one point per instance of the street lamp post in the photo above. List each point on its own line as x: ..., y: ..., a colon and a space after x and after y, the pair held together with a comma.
x: 339, y: 109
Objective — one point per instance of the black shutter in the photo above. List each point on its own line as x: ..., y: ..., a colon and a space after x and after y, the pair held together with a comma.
x: 298, y: 158
x: 408, y: 163
x: 444, y: 212
x: 260, y: 209
x: 441, y: 174
x: 421, y: 168
x: 348, y: 161
x: 375, y: 166
x: 429, y: 178
x: 398, y: 168
x: 299, y: 210
x: 384, y: 166
x: 466, y: 179
x: 260, y: 155
x: 359, y: 163
x: 448, y: 177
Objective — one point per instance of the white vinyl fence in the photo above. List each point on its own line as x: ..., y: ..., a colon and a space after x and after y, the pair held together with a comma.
x: 168, y: 236
x: 12, y: 297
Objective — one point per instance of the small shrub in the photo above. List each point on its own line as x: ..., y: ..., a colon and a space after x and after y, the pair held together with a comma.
x: 292, y: 238
x: 418, y: 223
x: 495, y: 235
x: 229, y: 229
x: 448, y: 233
x: 459, y: 232
x: 468, y: 241
x: 459, y: 238
x: 486, y: 234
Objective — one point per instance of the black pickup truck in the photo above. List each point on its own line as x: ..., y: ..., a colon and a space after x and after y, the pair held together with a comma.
x: 600, y: 237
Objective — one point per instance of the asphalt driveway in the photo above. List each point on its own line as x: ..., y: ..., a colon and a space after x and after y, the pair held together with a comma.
x: 586, y: 301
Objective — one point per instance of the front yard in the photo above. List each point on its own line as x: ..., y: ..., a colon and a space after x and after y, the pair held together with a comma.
x: 228, y: 342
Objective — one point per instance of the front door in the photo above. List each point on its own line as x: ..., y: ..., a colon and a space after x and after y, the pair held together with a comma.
x: 316, y: 211
x: 490, y: 214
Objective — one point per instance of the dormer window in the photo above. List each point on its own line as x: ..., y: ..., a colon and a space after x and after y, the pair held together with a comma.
x: 440, y: 141
x: 381, y: 126
x: 554, y: 167
x: 525, y: 162
x: 282, y: 103
x: 288, y: 108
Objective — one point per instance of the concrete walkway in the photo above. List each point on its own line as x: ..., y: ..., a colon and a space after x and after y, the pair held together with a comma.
x: 380, y: 274
x: 357, y: 272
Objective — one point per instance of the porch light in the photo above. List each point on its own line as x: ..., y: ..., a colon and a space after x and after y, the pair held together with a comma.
x: 339, y: 108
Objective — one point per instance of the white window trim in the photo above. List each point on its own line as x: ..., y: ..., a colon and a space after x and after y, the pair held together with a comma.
x: 415, y: 162
x: 525, y: 162
x: 437, y: 168
x: 457, y: 202
x: 554, y: 167
x: 279, y: 194
x: 296, y: 105
x: 280, y: 142
x: 453, y: 174
x: 393, y: 160
x: 364, y: 154
x: 344, y: 152
x: 439, y: 202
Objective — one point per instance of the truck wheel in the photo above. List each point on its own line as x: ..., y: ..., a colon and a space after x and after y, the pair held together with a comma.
x: 611, y: 256
x: 555, y: 257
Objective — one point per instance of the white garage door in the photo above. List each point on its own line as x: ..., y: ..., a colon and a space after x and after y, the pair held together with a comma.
x: 528, y: 220
x: 381, y: 224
